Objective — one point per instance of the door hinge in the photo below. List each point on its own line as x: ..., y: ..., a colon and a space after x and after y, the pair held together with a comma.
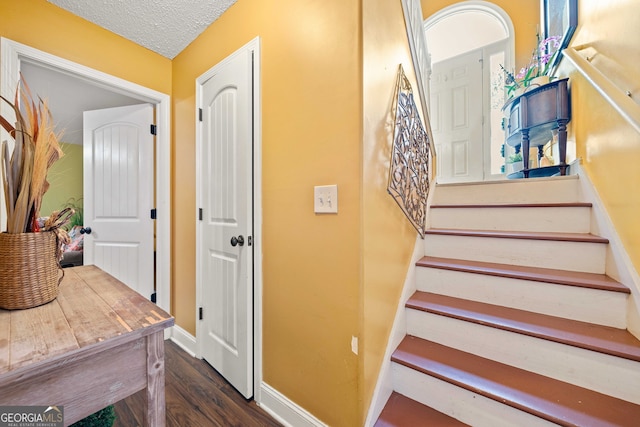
x: 200, y: 114
x: 154, y: 130
x: 200, y: 316
x: 200, y: 214
x: 154, y: 213
x: 153, y: 297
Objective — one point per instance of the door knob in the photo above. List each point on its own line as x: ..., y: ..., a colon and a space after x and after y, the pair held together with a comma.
x: 237, y: 241
x: 85, y: 230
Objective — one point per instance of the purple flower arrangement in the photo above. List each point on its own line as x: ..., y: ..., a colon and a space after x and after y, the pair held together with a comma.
x: 540, y: 65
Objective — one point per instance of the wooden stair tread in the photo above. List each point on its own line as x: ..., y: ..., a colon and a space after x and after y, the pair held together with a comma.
x: 602, y: 339
x: 400, y: 411
x: 547, y: 398
x: 548, y: 275
x: 530, y: 235
x: 514, y: 205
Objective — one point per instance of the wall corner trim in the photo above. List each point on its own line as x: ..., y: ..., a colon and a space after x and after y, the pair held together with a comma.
x: 284, y: 410
x: 184, y: 340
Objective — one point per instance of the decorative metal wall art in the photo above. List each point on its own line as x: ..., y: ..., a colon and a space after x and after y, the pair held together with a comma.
x: 409, y: 166
x: 420, y: 56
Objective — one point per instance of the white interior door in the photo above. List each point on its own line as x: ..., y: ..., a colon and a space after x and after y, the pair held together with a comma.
x: 118, y: 193
x: 225, y: 247
x: 457, y: 117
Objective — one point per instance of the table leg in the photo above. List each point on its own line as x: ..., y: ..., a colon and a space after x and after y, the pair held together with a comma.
x: 155, y: 415
x: 562, y: 145
x: 525, y: 152
x: 540, y: 154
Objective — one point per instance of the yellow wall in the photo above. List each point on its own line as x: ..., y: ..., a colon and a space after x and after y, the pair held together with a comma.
x: 524, y: 14
x: 40, y: 24
x: 311, y: 133
x: 65, y: 180
x: 608, y: 146
x: 384, y: 226
x: 388, y: 237
x: 328, y: 70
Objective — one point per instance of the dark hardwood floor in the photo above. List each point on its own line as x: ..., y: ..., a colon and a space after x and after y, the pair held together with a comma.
x: 196, y: 396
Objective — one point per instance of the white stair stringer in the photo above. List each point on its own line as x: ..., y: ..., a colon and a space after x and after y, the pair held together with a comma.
x: 615, y: 376
x: 597, y: 306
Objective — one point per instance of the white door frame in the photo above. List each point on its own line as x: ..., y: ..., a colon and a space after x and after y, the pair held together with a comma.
x: 13, y: 53
x: 253, y: 45
x: 503, y: 18
x: 487, y: 51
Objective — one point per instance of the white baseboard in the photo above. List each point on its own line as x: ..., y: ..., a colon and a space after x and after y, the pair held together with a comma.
x: 184, y: 340
x: 384, y: 386
x: 272, y: 401
x: 269, y: 399
x: 619, y: 265
x: 284, y: 410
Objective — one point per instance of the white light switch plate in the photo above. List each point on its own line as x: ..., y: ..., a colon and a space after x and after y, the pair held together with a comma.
x: 325, y: 198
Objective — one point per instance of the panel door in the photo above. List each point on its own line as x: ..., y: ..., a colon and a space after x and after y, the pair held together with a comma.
x: 226, y: 263
x: 118, y: 193
x: 456, y: 117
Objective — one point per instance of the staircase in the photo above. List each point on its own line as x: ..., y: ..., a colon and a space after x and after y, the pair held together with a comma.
x: 514, y: 321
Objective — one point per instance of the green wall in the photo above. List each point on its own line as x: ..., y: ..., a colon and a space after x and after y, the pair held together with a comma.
x: 65, y: 178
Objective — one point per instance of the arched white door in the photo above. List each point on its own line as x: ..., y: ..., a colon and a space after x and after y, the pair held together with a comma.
x: 468, y: 43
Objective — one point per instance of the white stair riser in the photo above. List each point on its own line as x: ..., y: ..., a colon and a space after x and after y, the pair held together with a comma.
x: 540, y: 219
x: 574, y: 256
x: 459, y: 403
x: 606, y: 374
x: 570, y: 302
x: 557, y: 190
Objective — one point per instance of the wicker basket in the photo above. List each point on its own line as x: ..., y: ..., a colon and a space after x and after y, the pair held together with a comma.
x: 29, y: 269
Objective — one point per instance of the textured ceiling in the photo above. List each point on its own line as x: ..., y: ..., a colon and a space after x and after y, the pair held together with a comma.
x: 163, y: 26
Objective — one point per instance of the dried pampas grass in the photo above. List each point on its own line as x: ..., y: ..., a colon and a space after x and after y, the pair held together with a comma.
x: 36, y: 148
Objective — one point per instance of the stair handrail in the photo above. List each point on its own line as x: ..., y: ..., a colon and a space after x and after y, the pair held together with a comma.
x: 619, y: 99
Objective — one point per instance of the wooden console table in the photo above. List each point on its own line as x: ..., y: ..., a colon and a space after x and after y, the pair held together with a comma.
x: 96, y: 343
x: 532, y: 116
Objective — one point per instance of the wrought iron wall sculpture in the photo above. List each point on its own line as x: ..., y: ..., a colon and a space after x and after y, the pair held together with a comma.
x: 409, y: 168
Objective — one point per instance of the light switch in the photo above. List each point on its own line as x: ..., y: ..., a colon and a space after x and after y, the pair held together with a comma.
x: 325, y: 199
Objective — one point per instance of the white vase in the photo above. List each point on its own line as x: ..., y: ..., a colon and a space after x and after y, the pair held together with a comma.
x: 514, y: 167
x: 537, y: 82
